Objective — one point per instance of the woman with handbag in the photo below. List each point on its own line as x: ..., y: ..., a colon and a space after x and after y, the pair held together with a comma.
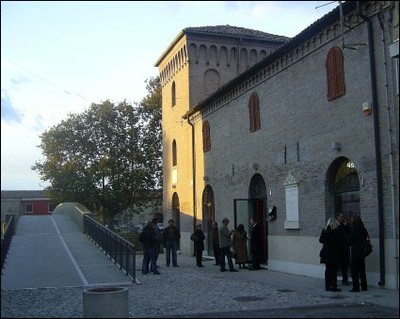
x: 358, y: 240
x: 331, y: 240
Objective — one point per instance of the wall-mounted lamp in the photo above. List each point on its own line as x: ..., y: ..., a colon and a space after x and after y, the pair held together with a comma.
x: 336, y: 146
x: 254, y: 166
x: 173, y: 186
x: 367, y: 109
x: 271, y: 213
x: 205, y: 178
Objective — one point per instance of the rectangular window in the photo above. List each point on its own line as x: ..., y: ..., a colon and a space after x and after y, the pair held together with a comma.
x: 28, y: 208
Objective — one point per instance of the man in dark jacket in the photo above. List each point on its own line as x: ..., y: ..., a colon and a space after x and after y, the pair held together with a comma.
x: 148, y: 240
x: 171, y: 237
x: 198, y: 238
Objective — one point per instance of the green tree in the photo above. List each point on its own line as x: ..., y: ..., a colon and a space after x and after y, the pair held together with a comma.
x: 108, y: 158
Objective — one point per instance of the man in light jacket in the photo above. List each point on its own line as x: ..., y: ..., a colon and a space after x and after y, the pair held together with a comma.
x: 225, y: 243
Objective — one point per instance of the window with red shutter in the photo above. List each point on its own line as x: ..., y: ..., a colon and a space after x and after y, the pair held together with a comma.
x: 254, y: 113
x: 206, y: 137
x: 335, y: 73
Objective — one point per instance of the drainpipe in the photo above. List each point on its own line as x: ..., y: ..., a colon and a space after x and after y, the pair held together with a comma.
x: 377, y: 145
x: 238, y: 71
x: 194, y: 175
x: 390, y: 139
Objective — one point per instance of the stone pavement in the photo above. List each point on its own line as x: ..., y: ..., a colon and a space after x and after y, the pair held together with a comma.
x: 192, y: 292
x: 185, y: 292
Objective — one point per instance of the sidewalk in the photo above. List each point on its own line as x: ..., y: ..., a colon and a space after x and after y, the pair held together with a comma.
x: 187, y: 291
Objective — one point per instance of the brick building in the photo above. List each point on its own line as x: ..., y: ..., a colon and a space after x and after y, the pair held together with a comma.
x: 25, y: 202
x: 288, y: 131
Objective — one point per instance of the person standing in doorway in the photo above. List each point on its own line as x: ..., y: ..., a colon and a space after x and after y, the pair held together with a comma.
x: 171, y: 237
x: 225, y: 243
x: 198, y: 239
x: 215, y: 242
x: 255, y: 244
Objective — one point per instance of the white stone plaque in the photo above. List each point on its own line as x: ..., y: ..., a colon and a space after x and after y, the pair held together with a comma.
x: 292, y: 206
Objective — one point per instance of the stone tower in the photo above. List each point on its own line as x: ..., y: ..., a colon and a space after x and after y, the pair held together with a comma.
x: 199, y: 61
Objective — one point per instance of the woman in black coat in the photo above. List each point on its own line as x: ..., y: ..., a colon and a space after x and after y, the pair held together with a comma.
x: 198, y: 238
x: 357, y: 241
x: 330, y: 253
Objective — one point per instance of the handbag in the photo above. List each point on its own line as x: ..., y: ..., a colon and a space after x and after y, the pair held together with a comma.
x: 322, y: 255
x: 233, y: 253
x: 367, y: 247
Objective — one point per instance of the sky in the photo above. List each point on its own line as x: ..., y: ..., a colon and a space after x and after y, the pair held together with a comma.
x: 59, y: 57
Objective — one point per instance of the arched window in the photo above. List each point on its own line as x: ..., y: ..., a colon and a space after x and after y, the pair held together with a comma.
x: 335, y: 73
x: 174, y: 154
x: 343, y: 183
x: 254, y: 113
x: 206, y: 137
x: 173, y: 94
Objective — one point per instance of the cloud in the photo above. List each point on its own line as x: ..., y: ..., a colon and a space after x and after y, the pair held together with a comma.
x: 8, y: 112
x: 20, y: 80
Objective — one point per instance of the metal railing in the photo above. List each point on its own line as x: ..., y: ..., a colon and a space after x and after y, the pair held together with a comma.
x: 6, y: 236
x: 118, y: 249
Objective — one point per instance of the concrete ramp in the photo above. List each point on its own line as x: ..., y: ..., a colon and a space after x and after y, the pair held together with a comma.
x: 52, y: 251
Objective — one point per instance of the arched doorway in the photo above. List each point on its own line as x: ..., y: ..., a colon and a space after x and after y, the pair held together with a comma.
x: 176, y: 213
x: 208, y: 216
x: 344, y: 188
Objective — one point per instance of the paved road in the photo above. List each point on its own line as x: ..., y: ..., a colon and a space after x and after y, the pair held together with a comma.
x: 74, y: 263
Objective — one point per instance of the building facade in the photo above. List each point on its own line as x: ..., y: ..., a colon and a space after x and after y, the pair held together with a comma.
x: 292, y: 136
x: 25, y: 202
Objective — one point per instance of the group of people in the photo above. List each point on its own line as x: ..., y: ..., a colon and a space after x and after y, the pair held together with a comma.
x: 151, y: 238
x: 230, y: 244
x: 344, y: 245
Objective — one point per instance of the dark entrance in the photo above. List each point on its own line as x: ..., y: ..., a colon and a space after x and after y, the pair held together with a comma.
x: 208, y: 217
x: 176, y: 214
x: 254, y: 207
x: 345, y: 187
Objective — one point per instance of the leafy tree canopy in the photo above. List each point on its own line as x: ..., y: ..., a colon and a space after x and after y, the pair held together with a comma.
x: 108, y: 158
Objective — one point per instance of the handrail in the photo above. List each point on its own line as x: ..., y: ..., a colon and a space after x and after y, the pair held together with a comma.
x: 6, y: 237
x: 117, y: 248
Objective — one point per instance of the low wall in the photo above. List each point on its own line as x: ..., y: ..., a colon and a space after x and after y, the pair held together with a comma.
x: 74, y: 211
